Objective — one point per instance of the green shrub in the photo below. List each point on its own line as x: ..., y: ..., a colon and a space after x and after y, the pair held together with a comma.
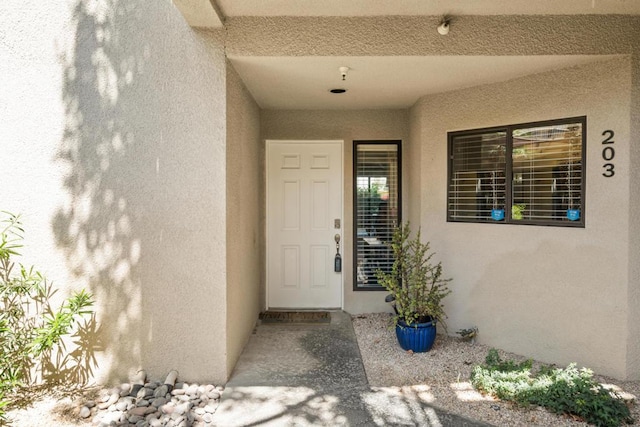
x: 569, y: 391
x: 415, y: 280
x: 29, y: 327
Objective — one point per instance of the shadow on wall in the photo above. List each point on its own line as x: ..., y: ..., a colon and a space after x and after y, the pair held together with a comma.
x: 128, y: 227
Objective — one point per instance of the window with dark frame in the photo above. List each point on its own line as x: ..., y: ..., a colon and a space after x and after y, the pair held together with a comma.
x: 376, y: 166
x: 520, y: 174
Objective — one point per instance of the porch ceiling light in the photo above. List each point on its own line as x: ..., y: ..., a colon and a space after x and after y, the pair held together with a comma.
x: 443, y: 26
x: 343, y: 72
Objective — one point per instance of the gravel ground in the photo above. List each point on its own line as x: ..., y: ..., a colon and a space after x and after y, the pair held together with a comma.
x: 441, y: 376
x: 153, y: 405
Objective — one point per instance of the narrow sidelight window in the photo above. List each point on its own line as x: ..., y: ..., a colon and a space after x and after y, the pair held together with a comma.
x: 520, y: 174
x: 376, y: 208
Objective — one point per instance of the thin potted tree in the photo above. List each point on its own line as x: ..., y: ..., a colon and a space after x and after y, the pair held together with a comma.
x: 416, y: 290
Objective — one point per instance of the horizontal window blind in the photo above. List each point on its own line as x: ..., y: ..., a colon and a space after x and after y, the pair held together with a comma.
x: 477, y: 184
x: 521, y: 173
x: 547, y: 172
x: 376, y: 168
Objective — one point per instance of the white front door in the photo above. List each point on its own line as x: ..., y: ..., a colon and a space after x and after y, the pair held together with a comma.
x: 304, y: 213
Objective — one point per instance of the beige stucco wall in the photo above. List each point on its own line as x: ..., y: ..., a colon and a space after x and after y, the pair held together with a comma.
x: 552, y: 293
x: 245, y: 216
x: 112, y: 146
x: 633, y: 320
x: 349, y: 126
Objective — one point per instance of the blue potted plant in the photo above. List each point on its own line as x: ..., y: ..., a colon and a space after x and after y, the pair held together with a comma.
x: 416, y: 290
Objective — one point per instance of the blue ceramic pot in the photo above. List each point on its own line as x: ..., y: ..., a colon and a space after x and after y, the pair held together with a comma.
x: 419, y: 337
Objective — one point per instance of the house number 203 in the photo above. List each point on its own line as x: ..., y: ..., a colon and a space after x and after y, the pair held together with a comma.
x: 608, y: 153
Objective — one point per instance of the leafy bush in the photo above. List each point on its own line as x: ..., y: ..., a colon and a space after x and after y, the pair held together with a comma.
x: 569, y: 391
x: 29, y: 327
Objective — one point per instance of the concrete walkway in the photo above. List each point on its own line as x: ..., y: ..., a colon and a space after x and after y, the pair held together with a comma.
x: 312, y: 375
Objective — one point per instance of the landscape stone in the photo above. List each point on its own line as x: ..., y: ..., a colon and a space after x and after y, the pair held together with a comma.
x: 85, y: 412
x: 138, y: 411
x: 133, y: 419
x: 161, y: 391
x: 154, y: 405
x: 159, y: 402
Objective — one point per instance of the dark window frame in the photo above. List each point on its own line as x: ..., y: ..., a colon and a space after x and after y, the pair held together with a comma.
x: 508, y: 196
x: 356, y: 143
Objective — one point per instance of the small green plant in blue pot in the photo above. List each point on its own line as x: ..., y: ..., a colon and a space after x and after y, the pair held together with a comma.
x: 416, y: 290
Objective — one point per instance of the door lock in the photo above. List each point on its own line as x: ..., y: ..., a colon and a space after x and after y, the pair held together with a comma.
x: 337, y: 261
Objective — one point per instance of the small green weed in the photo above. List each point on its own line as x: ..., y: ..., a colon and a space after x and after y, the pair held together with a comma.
x: 569, y: 391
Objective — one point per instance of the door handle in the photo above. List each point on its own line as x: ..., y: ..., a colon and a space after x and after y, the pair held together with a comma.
x: 337, y: 261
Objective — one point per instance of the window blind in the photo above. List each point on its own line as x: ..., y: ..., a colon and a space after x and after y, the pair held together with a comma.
x: 530, y: 173
x: 477, y: 184
x: 377, y: 202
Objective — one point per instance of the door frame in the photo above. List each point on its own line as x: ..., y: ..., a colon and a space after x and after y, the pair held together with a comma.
x: 342, y: 231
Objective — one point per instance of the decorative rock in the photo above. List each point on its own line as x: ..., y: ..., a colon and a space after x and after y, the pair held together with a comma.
x: 133, y: 419
x: 161, y: 391
x: 110, y: 400
x: 155, y: 404
x: 144, y: 392
x: 124, y: 389
x: 183, y: 408
x: 139, y: 411
x: 159, y: 402
x: 169, y: 408
x: 85, y: 412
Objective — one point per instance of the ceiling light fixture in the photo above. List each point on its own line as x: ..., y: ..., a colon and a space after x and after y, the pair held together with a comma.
x: 443, y: 26
x: 343, y: 72
x: 337, y: 90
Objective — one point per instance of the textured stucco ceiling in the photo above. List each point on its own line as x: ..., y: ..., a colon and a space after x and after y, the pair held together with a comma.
x: 425, y: 7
